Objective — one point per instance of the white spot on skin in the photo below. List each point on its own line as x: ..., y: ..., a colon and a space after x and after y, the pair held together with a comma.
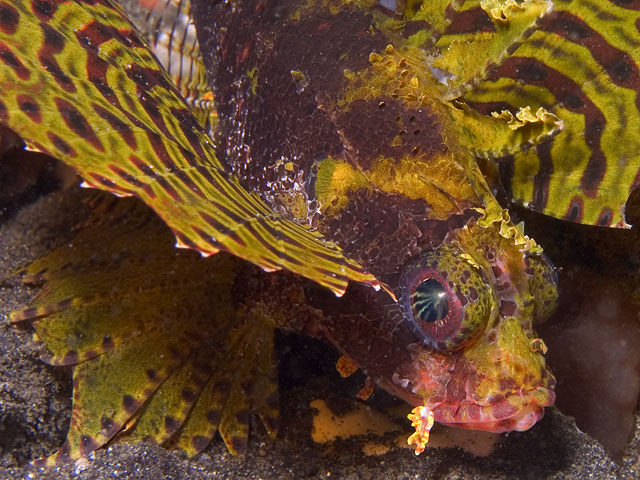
x: 402, y: 382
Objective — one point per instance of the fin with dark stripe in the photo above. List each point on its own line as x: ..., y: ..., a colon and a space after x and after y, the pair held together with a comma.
x: 481, y: 34
x: 159, y: 349
x: 581, y: 64
x: 106, y: 107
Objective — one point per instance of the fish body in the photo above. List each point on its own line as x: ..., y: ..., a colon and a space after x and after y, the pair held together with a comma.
x: 329, y: 112
x: 345, y: 151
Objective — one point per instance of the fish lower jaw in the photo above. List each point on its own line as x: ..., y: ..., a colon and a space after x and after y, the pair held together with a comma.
x: 498, y: 418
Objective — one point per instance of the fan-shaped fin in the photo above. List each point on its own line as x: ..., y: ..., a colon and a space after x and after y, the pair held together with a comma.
x: 105, y: 106
x: 167, y: 356
x: 581, y: 63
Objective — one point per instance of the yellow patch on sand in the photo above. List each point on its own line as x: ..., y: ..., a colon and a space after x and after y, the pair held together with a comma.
x: 327, y: 426
x: 363, y: 420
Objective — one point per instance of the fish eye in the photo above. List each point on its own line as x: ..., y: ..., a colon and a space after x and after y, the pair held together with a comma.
x: 429, y: 301
x: 447, y: 298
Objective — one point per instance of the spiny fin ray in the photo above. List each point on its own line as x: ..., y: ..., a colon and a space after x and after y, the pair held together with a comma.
x: 171, y: 362
x: 106, y: 107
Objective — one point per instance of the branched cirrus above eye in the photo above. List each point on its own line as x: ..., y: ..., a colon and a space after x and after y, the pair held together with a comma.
x: 447, y: 300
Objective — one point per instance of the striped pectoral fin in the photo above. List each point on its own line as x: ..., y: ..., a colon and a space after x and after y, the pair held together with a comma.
x: 166, y: 356
x: 207, y: 223
x: 581, y: 64
x: 238, y: 378
x: 481, y: 34
x: 247, y: 383
x: 106, y: 107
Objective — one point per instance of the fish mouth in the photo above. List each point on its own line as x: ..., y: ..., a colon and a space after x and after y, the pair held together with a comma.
x: 516, y: 412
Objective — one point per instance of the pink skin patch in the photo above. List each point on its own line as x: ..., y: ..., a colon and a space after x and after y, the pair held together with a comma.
x: 499, y: 418
x: 517, y: 410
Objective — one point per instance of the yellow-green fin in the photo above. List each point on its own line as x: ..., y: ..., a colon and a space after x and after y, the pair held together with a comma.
x: 581, y: 64
x: 106, y: 107
x: 159, y: 349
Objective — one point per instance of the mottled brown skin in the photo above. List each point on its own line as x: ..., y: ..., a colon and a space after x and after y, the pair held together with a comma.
x: 275, y: 118
x: 313, y: 120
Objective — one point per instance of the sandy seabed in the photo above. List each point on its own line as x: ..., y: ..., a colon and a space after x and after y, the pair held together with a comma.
x: 35, y: 408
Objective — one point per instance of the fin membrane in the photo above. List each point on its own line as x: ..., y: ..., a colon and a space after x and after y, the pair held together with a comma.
x: 481, y: 34
x: 106, y: 107
x: 580, y: 63
x: 160, y: 351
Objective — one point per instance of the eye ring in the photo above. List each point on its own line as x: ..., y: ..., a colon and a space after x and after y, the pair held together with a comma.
x: 446, y: 298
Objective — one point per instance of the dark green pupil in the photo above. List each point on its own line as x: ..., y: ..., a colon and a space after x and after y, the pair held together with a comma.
x: 430, y: 301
